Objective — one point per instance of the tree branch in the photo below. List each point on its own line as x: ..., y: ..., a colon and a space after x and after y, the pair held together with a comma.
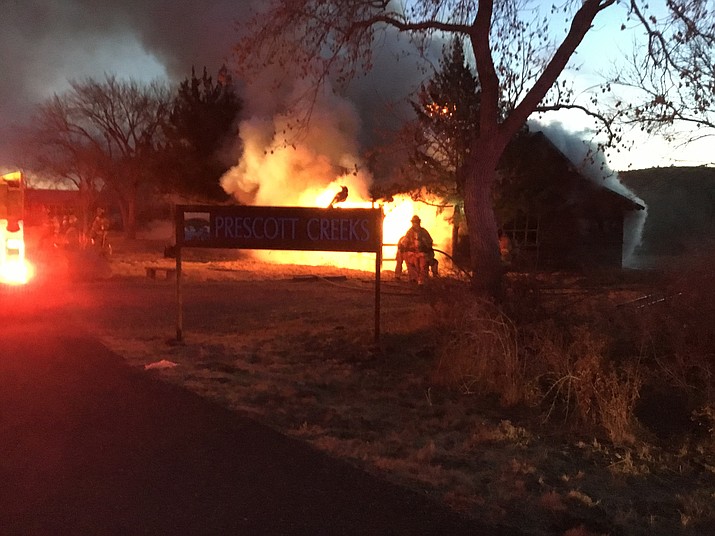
x: 581, y: 24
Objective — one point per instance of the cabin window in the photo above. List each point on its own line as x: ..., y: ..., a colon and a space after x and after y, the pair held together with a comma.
x: 523, y: 230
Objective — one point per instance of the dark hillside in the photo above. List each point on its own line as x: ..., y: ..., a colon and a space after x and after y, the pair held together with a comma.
x: 681, y: 209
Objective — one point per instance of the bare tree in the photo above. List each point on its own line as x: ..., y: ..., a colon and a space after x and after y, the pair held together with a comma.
x: 670, y: 79
x: 102, y: 135
x: 516, y: 63
x: 50, y: 151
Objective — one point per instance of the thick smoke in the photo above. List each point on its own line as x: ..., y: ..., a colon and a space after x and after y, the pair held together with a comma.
x: 285, y: 158
x: 274, y: 171
x: 45, y: 44
x: 591, y: 163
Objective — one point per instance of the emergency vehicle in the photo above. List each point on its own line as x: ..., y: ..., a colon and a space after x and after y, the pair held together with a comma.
x: 13, y: 267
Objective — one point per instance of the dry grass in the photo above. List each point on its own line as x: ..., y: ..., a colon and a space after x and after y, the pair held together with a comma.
x: 527, y: 415
x: 562, y: 366
x: 480, y: 352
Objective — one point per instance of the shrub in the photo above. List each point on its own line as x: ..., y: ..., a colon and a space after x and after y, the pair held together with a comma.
x: 580, y: 383
x: 684, y: 328
x: 480, y: 352
x: 585, y: 353
x: 676, y: 330
x: 562, y: 366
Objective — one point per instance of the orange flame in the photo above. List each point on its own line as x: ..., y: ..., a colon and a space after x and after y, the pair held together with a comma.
x: 398, y: 213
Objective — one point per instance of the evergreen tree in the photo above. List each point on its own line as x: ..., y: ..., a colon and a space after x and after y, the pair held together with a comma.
x: 201, y: 128
x: 447, y: 111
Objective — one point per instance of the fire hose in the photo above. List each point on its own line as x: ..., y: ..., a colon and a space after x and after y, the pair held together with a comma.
x: 454, y: 263
x: 332, y: 281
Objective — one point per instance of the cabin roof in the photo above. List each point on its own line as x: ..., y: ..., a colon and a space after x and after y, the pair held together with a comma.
x: 593, y: 192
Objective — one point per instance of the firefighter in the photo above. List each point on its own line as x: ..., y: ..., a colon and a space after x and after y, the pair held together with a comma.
x: 50, y: 228
x: 72, y: 232
x: 418, y: 245
x: 505, y: 248
x: 98, y: 231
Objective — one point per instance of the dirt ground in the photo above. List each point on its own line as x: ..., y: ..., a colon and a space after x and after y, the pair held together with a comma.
x: 294, y: 347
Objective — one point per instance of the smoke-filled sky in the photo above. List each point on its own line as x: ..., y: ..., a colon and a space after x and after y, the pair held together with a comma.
x: 46, y: 43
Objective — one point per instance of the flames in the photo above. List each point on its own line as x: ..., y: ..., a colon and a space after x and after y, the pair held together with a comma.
x: 284, y: 165
x: 397, y: 215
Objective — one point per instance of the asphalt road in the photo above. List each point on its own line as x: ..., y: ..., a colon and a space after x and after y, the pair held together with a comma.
x: 90, y: 446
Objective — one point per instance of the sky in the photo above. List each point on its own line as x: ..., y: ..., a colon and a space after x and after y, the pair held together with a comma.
x: 603, y: 51
x: 46, y: 43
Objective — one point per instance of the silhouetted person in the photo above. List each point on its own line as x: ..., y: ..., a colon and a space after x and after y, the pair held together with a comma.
x: 419, y: 252
x: 505, y: 248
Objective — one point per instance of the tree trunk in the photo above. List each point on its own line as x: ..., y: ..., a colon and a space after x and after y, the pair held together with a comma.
x: 128, y: 208
x: 130, y: 224
x: 482, y: 225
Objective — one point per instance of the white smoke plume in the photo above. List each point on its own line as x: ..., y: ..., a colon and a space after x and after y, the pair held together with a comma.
x: 287, y: 161
x: 284, y: 159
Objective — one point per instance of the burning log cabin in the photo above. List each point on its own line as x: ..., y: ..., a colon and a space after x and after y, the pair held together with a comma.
x: 556, y: 217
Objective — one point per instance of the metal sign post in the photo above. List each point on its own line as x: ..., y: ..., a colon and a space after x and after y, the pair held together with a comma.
x: 378, y: 269
x: 179, y: 298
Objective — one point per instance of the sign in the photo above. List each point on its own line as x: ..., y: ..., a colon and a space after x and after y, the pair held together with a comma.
x: 279, y: 228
